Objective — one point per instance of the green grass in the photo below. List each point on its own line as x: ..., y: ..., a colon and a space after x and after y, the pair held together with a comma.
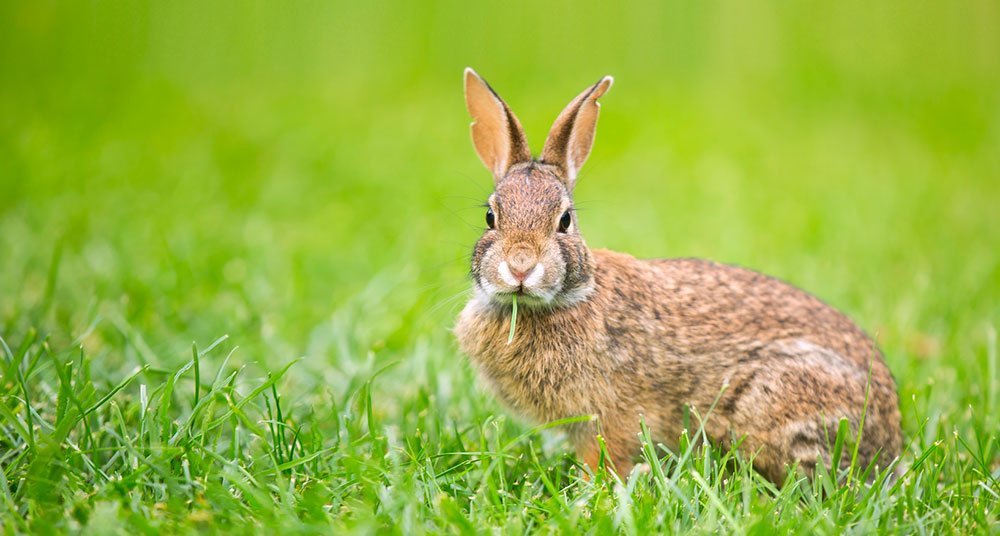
x: 233, y: 241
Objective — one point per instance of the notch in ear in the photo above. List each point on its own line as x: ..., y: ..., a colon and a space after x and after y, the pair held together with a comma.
x: 496, y: 132
x: 572, y: 135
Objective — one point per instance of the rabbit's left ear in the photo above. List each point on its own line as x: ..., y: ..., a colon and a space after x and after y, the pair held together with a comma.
x: 572, y: 135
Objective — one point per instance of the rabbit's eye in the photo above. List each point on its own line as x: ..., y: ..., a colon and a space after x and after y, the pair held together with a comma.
x: 564, y: 222
x: 491, y: 220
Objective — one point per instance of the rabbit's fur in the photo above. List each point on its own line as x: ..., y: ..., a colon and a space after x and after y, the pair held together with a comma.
x: 626, y: 340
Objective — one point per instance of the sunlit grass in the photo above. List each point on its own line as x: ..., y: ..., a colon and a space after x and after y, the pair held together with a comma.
x: 233, y: 244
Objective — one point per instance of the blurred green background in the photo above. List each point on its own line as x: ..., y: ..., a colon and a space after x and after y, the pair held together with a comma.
x: 300, y: 175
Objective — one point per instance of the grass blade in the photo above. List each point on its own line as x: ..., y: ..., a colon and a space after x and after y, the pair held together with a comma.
x: 513, y: 319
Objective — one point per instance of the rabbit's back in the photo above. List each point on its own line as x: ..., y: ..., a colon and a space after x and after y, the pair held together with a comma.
x: 706, y: 306
x: 772, y: 362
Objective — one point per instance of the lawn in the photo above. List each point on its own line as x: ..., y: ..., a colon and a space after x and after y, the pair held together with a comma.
x: 234, y: 239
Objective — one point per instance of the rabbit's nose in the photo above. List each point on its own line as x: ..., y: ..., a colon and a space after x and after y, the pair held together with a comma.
x: 521, y: 262
x: 519, y: 275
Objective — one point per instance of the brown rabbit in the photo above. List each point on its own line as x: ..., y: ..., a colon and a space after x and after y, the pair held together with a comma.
x: 605, y: 334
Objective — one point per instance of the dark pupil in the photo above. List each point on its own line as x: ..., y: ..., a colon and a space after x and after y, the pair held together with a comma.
x: 565, y: 221
x: 490, y: 219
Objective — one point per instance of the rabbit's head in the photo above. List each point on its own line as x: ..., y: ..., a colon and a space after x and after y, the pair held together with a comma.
x: 531, y: 246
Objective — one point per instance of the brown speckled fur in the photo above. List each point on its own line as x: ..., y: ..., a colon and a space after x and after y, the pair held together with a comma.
x: 604, y: 334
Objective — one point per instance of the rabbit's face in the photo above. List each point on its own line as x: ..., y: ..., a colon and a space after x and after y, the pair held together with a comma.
x: 531, y: 246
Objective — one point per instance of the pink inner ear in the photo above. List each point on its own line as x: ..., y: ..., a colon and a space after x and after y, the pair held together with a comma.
x: 496, y: 132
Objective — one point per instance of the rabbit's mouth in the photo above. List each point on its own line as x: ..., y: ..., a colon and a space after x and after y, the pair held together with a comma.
x: 525, y: 297
x: 533, y: 298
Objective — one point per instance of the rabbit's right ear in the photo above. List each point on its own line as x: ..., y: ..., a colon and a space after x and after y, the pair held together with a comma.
x: 496, y: 132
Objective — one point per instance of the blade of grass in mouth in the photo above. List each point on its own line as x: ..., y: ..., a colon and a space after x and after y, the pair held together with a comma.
x: 513, y: 320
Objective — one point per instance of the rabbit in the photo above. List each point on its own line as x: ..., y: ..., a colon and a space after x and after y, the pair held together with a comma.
x: 630, y: 341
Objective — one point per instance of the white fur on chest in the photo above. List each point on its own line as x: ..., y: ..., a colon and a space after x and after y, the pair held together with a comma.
x: 532, y: 375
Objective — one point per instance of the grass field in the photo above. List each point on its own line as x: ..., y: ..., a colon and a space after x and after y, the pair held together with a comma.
x: 234, y: 238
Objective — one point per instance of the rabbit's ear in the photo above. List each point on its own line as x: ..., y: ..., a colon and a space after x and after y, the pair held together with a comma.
x: 572, y: 135
x: 496, y: 133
